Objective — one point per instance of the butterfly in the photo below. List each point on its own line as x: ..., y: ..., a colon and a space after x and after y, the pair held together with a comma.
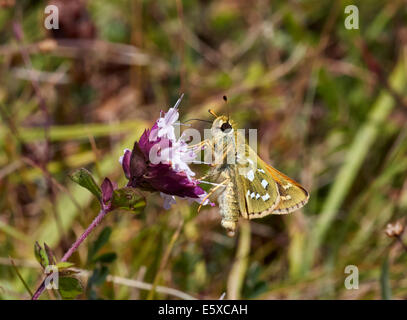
x: 247, y: 186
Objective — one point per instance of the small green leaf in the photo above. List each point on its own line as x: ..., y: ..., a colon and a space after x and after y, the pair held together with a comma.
x: 41, y: 255
x: 99, y: 276
x: 50, y: 254
x: 100, y: 242
x: 106, y: 257
x: 69, y: 287
x: 64, y: 265
x: 84, y: 178
x: 128, y: 198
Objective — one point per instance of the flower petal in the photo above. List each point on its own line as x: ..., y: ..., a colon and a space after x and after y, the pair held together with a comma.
x: 125, y: 162
x: 107, y: 190
x: 171, y: 116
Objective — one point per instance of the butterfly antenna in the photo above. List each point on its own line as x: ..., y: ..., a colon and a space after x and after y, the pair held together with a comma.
x: 225, y: 98
x: 212, y: 113
x: 198, y: 120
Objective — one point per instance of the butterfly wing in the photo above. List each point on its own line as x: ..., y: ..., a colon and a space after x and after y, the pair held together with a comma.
x: 263, y: 190
x: 257, y: 191
x: 293, y: 196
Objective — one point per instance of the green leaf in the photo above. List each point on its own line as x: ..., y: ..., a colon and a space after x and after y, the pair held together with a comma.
x: 64, y: 265
x: 385, y: 281
x: 100, y: 242
x: 84, y: 178
x: 106, y: 257
x: 69, y: 287
x: 128, y: 198
x: 41, y: 255
x: 50, y: 254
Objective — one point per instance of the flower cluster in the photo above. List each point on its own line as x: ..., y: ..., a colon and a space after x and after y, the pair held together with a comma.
x: 160, y: 162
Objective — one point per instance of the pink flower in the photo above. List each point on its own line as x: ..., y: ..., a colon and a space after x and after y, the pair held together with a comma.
x: 179, y: 156
x: 159, y: 162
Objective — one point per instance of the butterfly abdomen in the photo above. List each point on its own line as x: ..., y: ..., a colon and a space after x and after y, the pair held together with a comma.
x: 229, y: 208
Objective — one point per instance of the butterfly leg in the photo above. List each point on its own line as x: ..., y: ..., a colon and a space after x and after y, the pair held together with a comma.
x: 199, y: 146
x: 196, y: 148
x: 211, y: 192
x: 206, y: 176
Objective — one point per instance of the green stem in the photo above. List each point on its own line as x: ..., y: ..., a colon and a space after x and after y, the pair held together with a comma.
x: 239, y: 268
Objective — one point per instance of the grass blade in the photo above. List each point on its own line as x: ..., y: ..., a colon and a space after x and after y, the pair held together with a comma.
x: 385, y: 281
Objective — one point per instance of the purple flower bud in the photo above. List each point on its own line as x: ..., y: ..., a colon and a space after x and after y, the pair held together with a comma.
x: 125, y: 162
x: 107, y: 190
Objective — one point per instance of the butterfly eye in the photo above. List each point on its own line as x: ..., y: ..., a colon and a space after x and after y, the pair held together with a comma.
x: 226, y: 127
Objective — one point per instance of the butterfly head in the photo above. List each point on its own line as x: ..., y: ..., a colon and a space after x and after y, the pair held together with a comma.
x: 222, y: 125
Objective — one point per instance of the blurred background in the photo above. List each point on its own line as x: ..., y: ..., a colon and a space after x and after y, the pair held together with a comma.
x: 329, y: 105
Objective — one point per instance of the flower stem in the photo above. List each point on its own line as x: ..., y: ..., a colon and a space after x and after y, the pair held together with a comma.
x: 75, y: 246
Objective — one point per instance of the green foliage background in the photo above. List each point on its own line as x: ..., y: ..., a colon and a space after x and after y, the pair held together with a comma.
x: 329, y: 105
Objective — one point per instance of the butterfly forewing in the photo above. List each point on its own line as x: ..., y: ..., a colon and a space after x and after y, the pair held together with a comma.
x: 293, y: 196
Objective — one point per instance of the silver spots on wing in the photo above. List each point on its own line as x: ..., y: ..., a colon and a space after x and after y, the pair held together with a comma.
x: 287, y: 186
x: 264, y: 183
x: 256, y: 195
x: 250, y: 175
